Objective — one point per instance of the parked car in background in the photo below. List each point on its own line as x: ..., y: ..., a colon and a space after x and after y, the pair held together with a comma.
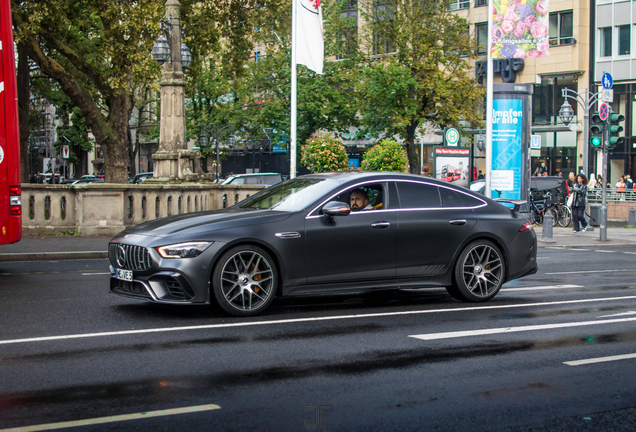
x: 301, y: 237
x: 254, y: 179
x: 86, y: 180
x: 142, y: 177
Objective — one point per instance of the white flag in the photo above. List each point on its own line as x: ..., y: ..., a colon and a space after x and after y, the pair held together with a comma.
x: 310, y: 47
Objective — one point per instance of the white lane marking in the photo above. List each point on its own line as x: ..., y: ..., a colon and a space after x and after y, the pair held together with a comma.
x: 590, y: 271
x: 600, y: 360
x: 113, y: 419
x: 93, y: 274
x: 483, y: 332
x: 604, y: 251
x: 619, y: 314
x: 315, y: 319
x: 547, y: 287
x: 630, y: 253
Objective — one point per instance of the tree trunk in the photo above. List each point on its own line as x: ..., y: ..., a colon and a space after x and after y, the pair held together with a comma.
x: 411, y: 151
x: 24, y: 95
x: 111, y: 131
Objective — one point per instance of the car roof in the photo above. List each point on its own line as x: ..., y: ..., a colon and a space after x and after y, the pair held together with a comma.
x: 254, y: 174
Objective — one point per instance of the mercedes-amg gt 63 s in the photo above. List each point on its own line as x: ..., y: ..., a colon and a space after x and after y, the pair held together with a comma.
x: 323, y: 234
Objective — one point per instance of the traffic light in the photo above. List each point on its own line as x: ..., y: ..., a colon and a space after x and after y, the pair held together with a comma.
x: 596, y: 132
x: 615, y: 128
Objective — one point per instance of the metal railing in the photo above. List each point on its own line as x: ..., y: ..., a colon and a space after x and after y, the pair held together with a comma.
x: 612, y: 194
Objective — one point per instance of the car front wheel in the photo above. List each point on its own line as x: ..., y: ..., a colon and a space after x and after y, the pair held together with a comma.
x: 479, y: 272
x: 244, y: 280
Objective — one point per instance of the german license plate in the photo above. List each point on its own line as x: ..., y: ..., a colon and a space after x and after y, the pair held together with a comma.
x: 126, y: 275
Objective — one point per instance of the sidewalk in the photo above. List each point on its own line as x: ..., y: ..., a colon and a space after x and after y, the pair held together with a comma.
x: 41, y: 248
x: 565, y: 237
x: 62, y: 247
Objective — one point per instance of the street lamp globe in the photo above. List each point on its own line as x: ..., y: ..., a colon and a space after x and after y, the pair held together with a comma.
x: 161, y: 50
x: 186, y: 56
x: 203, y: 139
x: 566, y: 113
x: 231, y: 140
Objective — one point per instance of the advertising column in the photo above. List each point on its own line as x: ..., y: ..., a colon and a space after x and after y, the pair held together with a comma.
x: 511, y: 130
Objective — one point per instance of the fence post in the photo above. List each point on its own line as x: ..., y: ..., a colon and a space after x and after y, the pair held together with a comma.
x: 631, y: 219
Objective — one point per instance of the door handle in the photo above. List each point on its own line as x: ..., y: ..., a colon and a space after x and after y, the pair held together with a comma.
x: 458, y: 222
x: 380, y: 225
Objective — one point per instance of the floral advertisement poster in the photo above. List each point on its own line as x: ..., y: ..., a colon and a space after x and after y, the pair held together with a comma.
x: 520, y: 29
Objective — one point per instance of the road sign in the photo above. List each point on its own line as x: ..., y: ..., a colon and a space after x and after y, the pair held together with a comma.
x: 451, y: 136
x: 535, y: 142
x: 65, y: 152
x: 607, y: 95
x: 603, y: 111
x: 607, y: 80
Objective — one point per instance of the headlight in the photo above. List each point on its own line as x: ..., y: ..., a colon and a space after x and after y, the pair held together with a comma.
x: 184, y: 250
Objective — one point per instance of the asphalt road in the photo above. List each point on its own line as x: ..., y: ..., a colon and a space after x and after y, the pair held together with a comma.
x: 552, y: 352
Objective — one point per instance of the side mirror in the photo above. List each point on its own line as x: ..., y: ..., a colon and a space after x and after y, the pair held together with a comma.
x: 336, y: 208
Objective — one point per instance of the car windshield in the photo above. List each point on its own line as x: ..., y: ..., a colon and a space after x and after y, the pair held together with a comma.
x: 291, y: 195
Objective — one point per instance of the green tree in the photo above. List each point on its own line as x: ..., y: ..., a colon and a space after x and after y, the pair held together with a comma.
x: 417, y: 71
x: 387, y: 155
x: 99, y: 53
x: 324, y: 153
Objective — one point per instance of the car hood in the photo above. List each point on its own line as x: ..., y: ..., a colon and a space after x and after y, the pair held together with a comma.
x: 200, y: 222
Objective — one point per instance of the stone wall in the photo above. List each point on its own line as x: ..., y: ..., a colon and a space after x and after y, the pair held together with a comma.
x: 106, y: 209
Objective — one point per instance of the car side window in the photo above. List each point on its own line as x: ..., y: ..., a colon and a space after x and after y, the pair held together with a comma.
x: 418, y: 195
x: 450, y: 198
x: 374, y: 193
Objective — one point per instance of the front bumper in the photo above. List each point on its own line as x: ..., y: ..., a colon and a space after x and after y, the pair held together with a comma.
x: 167, y: 280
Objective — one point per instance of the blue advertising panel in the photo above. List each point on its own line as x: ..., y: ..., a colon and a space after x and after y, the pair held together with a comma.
x: 507, y: 148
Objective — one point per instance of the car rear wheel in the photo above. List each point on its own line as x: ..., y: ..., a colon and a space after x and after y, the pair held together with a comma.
x: 244, y: 280
x: 479, y: 272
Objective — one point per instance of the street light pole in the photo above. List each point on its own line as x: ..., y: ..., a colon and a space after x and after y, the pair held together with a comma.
x: 586, y: 99
x: 203, y: 141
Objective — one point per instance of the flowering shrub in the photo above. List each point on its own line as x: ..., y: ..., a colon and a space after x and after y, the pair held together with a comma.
x: 387, y: 155
x: 324, y: 153
x: 520, y: 29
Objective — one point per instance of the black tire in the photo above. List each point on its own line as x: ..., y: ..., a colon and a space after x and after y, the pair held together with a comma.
x: 565, y: 216
x: 535, y: 217
x: 244, y: 281
x: 479, y: 271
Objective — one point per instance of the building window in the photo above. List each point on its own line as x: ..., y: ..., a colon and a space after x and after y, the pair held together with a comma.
x: 383, y: 42
x: 458, y: 4
x: 605, y: 42
x: 624, y: 36
x: 561, y: 28
x: 350, y: 34
x: 481, y: 2
x: 481, y: 33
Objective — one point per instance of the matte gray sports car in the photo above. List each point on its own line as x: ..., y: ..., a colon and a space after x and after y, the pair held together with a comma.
x: 327, y: 233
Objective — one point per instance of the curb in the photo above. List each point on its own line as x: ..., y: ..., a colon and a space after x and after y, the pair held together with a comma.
x: 51, y: 256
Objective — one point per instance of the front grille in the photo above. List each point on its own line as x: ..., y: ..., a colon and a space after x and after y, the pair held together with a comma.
x: 135, y: 289
x: 129, y: 257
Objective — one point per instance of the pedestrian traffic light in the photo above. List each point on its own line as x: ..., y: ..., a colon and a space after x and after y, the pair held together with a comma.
x: 615, y: 128
x: 596, y: 132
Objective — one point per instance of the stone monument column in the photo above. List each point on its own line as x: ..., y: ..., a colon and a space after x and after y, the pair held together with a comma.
x: 172, y: 160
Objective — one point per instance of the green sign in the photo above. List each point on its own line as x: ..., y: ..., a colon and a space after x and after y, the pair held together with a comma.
x: 451, y: 136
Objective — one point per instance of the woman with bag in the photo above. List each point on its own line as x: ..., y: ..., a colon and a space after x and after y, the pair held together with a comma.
x: 578, y: 203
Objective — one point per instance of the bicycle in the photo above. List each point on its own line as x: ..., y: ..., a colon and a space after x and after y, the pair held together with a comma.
x: 537, y: 214
x: 563, y: 212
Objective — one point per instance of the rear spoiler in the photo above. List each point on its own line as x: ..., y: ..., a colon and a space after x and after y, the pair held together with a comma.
x: 519, y: 206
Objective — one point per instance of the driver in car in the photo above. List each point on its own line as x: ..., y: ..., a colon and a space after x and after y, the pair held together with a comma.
x: 359, y: 200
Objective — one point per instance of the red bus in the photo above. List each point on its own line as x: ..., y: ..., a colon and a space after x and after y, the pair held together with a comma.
x: 10, y: 189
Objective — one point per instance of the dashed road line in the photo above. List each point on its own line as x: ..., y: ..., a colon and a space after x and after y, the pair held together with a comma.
x: 600, y: 360
x: 114, y: 419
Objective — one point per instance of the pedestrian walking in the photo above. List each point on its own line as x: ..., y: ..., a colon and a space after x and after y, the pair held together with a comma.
x: 579, y: 203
